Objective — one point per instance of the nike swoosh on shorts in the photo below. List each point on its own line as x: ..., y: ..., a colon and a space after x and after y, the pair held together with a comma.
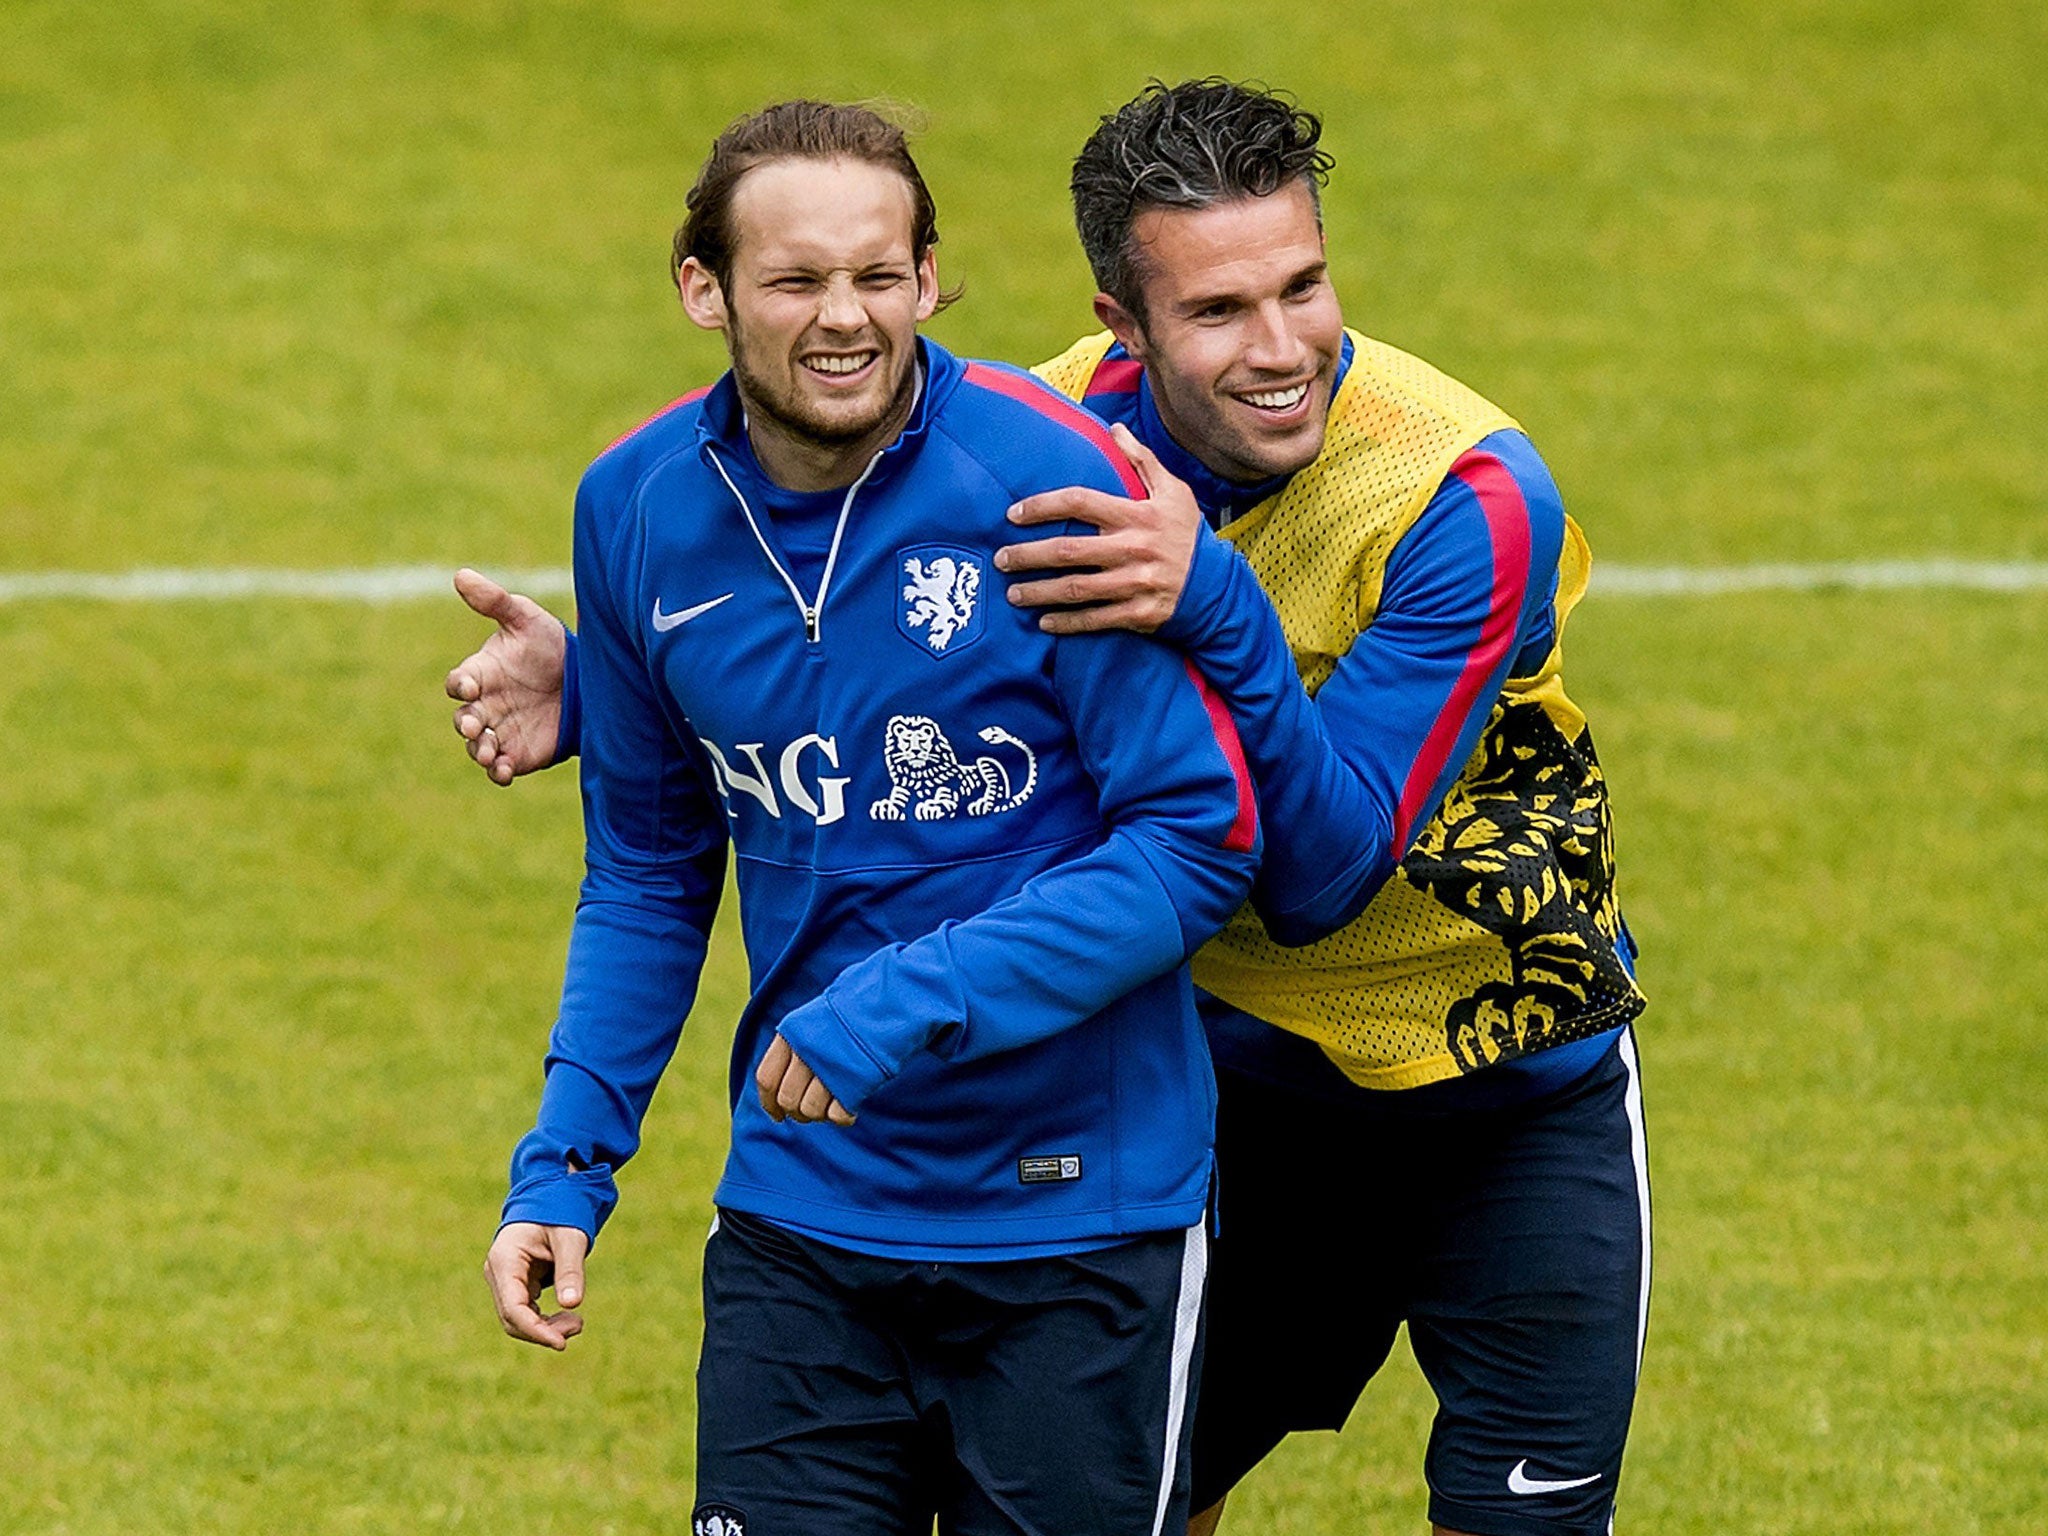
x: 1520, y: 1482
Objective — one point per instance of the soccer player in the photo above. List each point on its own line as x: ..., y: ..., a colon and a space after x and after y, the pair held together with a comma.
x: 1445, y: 1128
x: 958, y: 1261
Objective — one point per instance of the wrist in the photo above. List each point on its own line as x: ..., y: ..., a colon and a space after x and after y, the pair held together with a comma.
x: 1204, y: 594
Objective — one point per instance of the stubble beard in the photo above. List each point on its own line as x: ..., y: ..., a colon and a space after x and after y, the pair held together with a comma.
x: 1224, y: 446
x: 790, y: 412
x: 1215, y: 434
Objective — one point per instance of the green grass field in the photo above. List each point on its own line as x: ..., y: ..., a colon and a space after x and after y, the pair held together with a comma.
x: 364, y: 284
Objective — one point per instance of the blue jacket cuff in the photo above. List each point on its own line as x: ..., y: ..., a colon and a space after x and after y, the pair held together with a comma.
x: 569, y: 734
x: 831, y: 1049
x: 582, y: 1200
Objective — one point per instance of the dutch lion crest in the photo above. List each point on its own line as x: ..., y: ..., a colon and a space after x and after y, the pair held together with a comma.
x: 927, y: 776
x: 942, y: 598
x: 718, y: 1520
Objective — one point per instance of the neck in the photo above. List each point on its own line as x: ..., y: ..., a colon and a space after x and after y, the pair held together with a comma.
x: 797, y: 461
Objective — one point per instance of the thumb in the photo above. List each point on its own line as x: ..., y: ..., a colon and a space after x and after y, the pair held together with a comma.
x: 1143, y: 459
x: 570, y: 1246
x: 487, y: 597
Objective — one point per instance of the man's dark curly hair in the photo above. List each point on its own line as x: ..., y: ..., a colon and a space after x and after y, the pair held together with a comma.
x: 1190, y: 145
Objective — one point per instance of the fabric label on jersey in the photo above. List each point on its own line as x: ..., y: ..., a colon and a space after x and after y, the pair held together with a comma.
x: 940, y: 611
x: 1063, y: 1169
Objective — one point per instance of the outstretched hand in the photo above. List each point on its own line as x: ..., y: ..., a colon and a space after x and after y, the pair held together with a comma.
x: 510, y: 688
x: 1127, y: 576
x: 792, y: 1091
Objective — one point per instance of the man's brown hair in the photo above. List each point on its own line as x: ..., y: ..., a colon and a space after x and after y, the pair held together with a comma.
x: 795, y: 130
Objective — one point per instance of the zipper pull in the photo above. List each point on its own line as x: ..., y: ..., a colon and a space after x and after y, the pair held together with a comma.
x: 811, y: 625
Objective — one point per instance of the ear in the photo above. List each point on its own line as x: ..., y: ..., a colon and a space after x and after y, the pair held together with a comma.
x: 1121, y: 324
x: 703, y: 299
x: 928, y: 284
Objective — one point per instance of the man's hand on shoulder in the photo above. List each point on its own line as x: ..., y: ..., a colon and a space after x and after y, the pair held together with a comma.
x: 1129, y: 575
x: 510, y: 688
x: 792, y: 1091
x: 525, y: 1259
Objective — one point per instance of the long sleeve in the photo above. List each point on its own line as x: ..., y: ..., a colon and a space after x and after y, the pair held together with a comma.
x: 655, y: 841
x: 1182, y: 841
x: 569, y: 729
x: 1346, y: 779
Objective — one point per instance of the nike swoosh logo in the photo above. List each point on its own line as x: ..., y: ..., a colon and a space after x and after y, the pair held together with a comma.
x: 1520, y: 1482
x: 664, y: 622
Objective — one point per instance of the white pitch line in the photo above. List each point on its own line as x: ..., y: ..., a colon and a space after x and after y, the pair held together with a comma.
x: 414, y: 583
x: 1862, y: 575
x: 375, y: 584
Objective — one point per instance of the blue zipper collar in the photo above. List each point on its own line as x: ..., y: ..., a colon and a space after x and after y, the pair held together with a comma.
x: 723, y: 445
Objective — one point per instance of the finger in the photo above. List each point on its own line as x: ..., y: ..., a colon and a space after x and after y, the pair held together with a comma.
x: 1075, y: 501
x: 489, y: 754
x: 768, y: 1076
x: 1143, y: 459
x: 469, y: 723
x: 1091, y: 587
x: 816, y: 1102
x: 797, y: 1078
x: 551, y: 1330
x: 1049, y: 554
x: 509, y: 610
x: 796, y: 1083
x: 513, y: 1294
x: 486, y: 597
x: 523, y: 1320
x: 839, y: 1114
x: 462, y: 684
x: 570, y: 1249
x: 1141, y: 614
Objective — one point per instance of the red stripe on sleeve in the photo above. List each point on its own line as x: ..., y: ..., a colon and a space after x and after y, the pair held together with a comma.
x: 1053, y: 405
x: 680, y: 400
x: 1507, y: 525
x: 1244, y: 830
x: 1119, y: 376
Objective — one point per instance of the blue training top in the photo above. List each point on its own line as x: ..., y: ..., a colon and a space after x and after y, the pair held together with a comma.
x: 972, y: 857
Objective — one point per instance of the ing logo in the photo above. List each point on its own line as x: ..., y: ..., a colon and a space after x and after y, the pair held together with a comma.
x: 823, y: 799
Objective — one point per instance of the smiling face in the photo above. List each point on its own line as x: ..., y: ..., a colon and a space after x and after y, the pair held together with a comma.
x: 1241, y: 331
x: 820, y: 313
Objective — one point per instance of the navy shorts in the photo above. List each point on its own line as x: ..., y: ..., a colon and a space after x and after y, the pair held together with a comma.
x: 1514, y: 1243
x: 840, y: 1394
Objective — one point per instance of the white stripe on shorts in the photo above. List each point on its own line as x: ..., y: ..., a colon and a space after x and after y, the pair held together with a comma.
x: 1639, y: 1154
x: 1632, y: 1105
x: 1187, y: 1314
